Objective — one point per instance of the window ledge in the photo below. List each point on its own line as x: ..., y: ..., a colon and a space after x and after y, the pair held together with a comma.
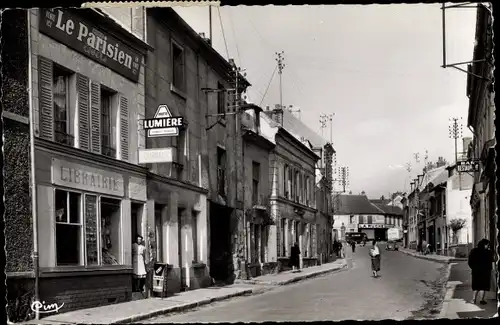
x: 177, y: 91
x: 198, y: 265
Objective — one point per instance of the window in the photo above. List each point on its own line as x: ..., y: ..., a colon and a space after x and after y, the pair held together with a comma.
x: 68, y: 228
x: 221, y: 99
x: 286, y: 182
x: 361, y: 219
x: 194, y: 235
x: 221, y: 171
x: 370, y: 219
x: 307, y: 191
x: 178, y: 66
x: 108, y: 131
x: 296, y: 187
x: 290, y: 183
x: 60, y: 91
x: 283, y: 232
x: 110, y: 231
x: 351, y: 220
x: 255, y: 182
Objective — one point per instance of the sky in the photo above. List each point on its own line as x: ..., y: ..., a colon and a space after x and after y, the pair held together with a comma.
x: 376, y: 67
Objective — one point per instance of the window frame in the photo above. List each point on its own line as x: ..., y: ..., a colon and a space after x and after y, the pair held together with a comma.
x: 221, y: 170
x: 121, y: 257
x: 221, y: 100
x: 82, y: 254
x: 176, y: 45
x: 69, y: 139
x: 112, y: 121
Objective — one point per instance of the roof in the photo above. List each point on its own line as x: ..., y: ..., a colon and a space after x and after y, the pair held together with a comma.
x: 390, y: 209
x: 435, y: 176
x: 297, y: 128
x: 355, y: 204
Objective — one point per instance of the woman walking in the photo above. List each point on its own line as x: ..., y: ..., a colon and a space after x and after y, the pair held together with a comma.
x: 480, y: 261
x: 138, y: 250
x: 375, y: 257
x: 295, y: 257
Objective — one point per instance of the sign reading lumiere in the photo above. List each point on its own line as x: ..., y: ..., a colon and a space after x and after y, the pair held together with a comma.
x: 75, y: 32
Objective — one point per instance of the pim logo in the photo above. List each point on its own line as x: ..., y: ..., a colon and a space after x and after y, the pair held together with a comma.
x: 163, y: 124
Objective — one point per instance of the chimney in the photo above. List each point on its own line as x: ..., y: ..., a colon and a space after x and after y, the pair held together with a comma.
x: 267, y: 107
x: 466, y: 143
x: 208, y: 40
x: 277, y: 114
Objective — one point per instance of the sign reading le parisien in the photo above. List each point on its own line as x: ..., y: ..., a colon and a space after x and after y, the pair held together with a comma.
x: 86, y: 178
x: 82, y: 36
x: 163, y: 124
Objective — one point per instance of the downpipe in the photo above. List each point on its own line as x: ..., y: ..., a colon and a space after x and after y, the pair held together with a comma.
x: 34, y: 211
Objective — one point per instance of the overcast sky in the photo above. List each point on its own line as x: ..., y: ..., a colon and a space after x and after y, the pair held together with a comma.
x: 376, y: 67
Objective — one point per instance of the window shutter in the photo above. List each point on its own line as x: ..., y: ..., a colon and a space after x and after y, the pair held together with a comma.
x: 46, y: 100
x: 124, y: 132
x: 95, y: 118
x: 82, y: 86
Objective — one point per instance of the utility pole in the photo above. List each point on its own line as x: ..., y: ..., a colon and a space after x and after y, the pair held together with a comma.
x: 323, y: 119
x: 322, y: 122
x: 455, y: 132
x: 344, y: 177
x: 416, y: 155
x: 280, y: 58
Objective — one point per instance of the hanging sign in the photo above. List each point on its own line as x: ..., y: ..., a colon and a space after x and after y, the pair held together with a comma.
x: 163, y: 124
x: 468, y: 166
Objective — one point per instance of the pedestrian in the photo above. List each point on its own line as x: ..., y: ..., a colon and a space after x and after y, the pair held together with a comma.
x: 480, y: 261
x: 353, y: 245
x: 138, y: 250
x: 341, y: 250
x: 375, y: 257
x: 295, y: 257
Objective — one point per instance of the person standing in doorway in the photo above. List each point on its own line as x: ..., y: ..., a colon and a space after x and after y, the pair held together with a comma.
x: 375, y: 257
x: 480, y: 261
x: 138, y: 251
x: 295, y: 257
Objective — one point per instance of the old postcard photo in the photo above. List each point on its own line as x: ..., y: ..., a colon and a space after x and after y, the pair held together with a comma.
x: 208, y: 163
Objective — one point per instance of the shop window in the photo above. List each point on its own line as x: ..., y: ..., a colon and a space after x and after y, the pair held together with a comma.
x: 221, y: 171
x: 108, y: 128
x: 68, y: 228
x: 255, y: 182
x: 91, y: 230
x: 178, y: 57
x: 60, y: 92
x: 110, y: 231
x: 221, y: 100
x: 263, y: 243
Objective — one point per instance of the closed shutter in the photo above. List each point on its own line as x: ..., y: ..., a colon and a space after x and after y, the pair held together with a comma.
x: 82, y: 86
x: 46, y: 100
x: 95, y: 117
x: 124, y: 131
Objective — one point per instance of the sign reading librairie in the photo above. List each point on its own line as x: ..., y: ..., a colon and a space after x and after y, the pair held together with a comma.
x: 82, y: 36
x: 86, y: 178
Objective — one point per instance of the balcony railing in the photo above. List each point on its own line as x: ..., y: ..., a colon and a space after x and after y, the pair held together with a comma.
x: 108, y: 151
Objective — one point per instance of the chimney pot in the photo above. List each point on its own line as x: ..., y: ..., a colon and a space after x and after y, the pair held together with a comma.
x: 202, y: 35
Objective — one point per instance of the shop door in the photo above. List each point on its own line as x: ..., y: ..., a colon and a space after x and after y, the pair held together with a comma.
x: 159, y: 232
x: 220, y: 243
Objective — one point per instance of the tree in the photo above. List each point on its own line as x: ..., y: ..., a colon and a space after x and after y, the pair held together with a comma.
x: 382, y: 198
x: 456, y: 225
x: 363, y: 193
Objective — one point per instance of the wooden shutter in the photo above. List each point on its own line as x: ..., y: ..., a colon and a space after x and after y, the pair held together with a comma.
x: 95, y: 117
x: 124, y: 131
x: 46, y: 99
x: 82, y: 86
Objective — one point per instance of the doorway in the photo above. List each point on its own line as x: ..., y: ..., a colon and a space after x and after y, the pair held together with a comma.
x: 136, y: 214
x: 221, y: 261
x: 159, y: 208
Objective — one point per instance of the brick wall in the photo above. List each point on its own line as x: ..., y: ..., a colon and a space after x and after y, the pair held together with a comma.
x: 77, y: 292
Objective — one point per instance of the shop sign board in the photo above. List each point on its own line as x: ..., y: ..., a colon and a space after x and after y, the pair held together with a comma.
x: 157, y: 155
x: 86, y: 178
x: 163, y: 124
x: 83, y: 36
x: 373, y: 226
x: 468, y: 166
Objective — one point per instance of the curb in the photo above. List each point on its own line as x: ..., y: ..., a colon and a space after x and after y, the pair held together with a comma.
x: 295, y: 279
x: 429, y: 258
x: 136, y: 318
x: 450, y: 289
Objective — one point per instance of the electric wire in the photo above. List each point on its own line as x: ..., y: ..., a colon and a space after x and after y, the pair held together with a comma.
x: 268, y: 85
x: 235, y: 39
x: 223, y: 34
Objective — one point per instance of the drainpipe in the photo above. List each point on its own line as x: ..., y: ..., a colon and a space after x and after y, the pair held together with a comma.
x: 32, y: 168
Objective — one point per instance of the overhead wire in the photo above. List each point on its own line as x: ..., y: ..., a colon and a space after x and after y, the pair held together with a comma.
x: 223, y: 34
x: 268, y: 85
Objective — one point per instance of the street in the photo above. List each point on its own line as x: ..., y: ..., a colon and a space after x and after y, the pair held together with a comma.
x: 404, y: 290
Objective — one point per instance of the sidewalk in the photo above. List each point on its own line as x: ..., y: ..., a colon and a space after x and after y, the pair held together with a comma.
x: 288, y: 277
x: 457, y: 302
x: 432, y: 257
x: 135, y: 311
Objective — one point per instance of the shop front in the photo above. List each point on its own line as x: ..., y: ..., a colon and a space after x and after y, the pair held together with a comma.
x: 377, y: 231
x: 87, y: 211
x: 177, y: 231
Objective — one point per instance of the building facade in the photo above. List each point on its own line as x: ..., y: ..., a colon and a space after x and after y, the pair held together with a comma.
x: 87, y: 94
x: 481, y: 121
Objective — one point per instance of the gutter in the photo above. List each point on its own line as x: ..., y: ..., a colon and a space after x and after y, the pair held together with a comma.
x: 34, y: 211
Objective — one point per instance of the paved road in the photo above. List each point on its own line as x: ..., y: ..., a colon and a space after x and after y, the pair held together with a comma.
x: 404, y: 286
